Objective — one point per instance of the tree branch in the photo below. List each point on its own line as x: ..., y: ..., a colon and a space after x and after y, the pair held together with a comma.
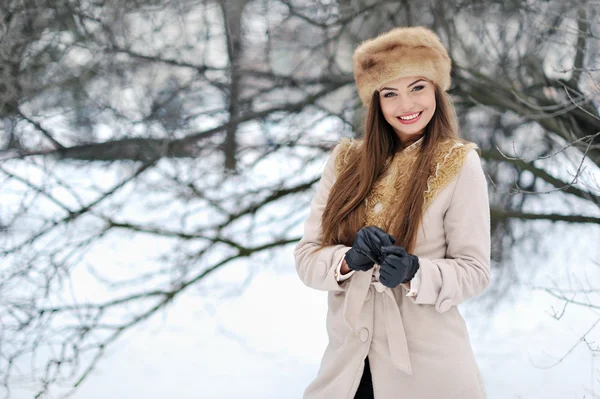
x: 569, y: 188
x: 499, y: 214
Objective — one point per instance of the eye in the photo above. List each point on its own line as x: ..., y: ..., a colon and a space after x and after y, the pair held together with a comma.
x: 389, y: 94
x: 418, y: 88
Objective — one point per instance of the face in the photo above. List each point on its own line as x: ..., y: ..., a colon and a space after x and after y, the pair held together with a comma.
x: 408, y: 105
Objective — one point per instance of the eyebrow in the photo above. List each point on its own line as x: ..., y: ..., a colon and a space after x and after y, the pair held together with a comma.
x: 413, y: 83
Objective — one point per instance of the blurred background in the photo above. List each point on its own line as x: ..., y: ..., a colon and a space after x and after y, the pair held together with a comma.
x: 157, y: 162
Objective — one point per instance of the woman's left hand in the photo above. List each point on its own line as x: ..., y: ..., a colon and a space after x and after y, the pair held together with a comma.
x: 397, y: 267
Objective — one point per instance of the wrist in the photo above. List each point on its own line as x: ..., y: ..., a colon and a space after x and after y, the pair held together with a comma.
x: 344, y: 269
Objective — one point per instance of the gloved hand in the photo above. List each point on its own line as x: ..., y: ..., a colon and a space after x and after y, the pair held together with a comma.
x: 397, y: 267
x: 366, y: 248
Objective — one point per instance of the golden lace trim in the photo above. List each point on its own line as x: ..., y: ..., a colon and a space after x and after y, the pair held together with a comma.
x: 387, y: 190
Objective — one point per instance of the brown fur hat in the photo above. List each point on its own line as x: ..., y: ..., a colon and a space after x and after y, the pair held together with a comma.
x: 398, y: 53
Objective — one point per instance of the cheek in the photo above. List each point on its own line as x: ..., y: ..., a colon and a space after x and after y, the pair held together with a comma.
x: 431, y: 111
x: 387, y: 111
x: 430, y: 103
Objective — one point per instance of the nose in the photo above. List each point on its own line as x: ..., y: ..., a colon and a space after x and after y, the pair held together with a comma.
x: 405, y: 105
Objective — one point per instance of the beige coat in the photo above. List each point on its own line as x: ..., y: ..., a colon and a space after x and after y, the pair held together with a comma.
x: 418, y: 347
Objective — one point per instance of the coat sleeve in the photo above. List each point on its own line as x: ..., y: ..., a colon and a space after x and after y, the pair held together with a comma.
x: 317, y: 269
x: 465, y: 270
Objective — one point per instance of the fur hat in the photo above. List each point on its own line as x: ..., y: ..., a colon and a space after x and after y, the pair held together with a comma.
x: 398, y: 53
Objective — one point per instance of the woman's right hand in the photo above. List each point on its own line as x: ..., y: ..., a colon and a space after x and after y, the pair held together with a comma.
x: 366, y: 248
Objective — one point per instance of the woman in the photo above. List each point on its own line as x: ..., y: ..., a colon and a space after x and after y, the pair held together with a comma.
x: 399, y: 234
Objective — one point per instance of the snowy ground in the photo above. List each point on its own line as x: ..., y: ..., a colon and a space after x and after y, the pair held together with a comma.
x: 266, y: 341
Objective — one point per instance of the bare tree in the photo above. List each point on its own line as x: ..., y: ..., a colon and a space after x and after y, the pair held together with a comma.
x: 199, y: 126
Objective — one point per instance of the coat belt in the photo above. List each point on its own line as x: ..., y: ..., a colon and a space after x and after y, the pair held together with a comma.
x: 359, y: 285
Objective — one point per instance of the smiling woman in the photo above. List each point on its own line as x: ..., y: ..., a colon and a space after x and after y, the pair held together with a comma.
x: 399, y: 234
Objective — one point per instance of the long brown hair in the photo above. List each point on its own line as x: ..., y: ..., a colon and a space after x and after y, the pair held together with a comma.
x: 345, y: 210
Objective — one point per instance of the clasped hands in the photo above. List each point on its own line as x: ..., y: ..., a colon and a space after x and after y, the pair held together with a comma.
x: 373, y: 245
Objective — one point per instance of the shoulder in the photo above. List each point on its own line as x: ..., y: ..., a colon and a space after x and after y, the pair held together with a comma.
x: 343, y: 151
x: 465, y: 154
x: 472, y: 159
x: 456, y: 149
x: 472, y: 170
x: 469, y: 176
x: 455, y: 155
x: 452, y: 157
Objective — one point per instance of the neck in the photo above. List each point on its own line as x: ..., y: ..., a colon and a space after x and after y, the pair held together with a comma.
x: 408, y: 142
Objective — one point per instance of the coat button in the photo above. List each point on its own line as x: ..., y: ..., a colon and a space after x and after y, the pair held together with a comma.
x: 445, y: 305
x: 364, y: 335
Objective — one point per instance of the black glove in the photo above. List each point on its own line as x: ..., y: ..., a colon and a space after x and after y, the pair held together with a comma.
x: 397, y: 266
x: 366, y: 249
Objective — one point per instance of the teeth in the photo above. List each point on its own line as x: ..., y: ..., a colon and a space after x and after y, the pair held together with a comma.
x: 409, y: 117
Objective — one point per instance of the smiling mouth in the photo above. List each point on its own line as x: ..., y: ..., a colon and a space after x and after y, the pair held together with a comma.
x: 410, y: 118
